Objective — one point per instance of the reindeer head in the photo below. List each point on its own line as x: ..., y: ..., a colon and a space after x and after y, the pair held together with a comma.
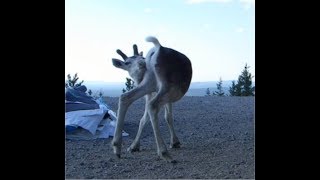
x: 135, y: 65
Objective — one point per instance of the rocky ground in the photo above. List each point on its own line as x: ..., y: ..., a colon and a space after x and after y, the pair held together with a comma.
x: 216, y: 135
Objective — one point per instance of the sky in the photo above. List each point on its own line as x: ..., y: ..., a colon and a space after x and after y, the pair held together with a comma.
x: 218, y: 36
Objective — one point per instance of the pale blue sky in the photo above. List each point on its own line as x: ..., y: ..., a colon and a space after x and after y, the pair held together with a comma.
x: 218, y: 36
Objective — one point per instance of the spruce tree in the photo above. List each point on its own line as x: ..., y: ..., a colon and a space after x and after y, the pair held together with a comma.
x: 129, y: 85
x: 244, y: 84
x: 72, y: 82
x: 232, y: 89
x: 208, y: 92
x: 89, y: 92
x: 100, y: 93
x: 247, y: 82
x: 239, y: 87
x: 219, y: 87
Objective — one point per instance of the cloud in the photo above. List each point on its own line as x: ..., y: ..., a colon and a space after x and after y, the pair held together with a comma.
x: 239, y: 29
x: 148, y: 10
x: 247, y: 4
x: 206, y: 25
x: 207, y: 1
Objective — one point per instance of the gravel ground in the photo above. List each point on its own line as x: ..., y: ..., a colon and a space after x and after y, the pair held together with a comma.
x: 216, y: 135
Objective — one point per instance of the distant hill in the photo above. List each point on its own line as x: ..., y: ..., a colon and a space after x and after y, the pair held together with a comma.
x: 114, y: 89
x: 209, y: 84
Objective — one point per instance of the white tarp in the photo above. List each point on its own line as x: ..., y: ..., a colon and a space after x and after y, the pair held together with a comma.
x: 92, y: 124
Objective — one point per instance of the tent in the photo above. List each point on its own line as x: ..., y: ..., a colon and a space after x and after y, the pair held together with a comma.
x: 87, y: 118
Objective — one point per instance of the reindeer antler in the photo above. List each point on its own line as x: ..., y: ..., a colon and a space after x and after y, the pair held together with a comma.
x: 135, y: 50
x: 124, y: 57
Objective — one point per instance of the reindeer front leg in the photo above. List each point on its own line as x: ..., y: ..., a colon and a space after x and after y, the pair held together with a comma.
x: 125, y: 101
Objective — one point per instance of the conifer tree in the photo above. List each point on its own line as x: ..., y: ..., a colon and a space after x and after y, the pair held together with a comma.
x: 208, y: 92
x: 243, y: 87
x: 89, y: 92
x: 246, y: 80
x: 72, y: 82
x: 232, y: 89
x: 219, y: 91
x: 129, y: 85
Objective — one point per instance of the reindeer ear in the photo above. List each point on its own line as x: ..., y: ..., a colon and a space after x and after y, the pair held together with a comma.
x: 141, y: 53
x: 117, y: 63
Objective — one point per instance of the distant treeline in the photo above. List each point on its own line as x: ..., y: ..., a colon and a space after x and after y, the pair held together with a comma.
x: 243, y: 86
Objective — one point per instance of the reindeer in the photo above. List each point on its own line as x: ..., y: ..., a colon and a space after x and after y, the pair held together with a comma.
x: 163, y: 77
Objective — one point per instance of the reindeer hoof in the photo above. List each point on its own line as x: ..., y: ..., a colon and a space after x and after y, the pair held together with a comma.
x: 135, y: 149
x: 116, y: 149
x: 175, y: 145
x: 166, y: 156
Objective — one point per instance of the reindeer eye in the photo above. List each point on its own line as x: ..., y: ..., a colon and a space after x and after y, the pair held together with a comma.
x: 127, y: 63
